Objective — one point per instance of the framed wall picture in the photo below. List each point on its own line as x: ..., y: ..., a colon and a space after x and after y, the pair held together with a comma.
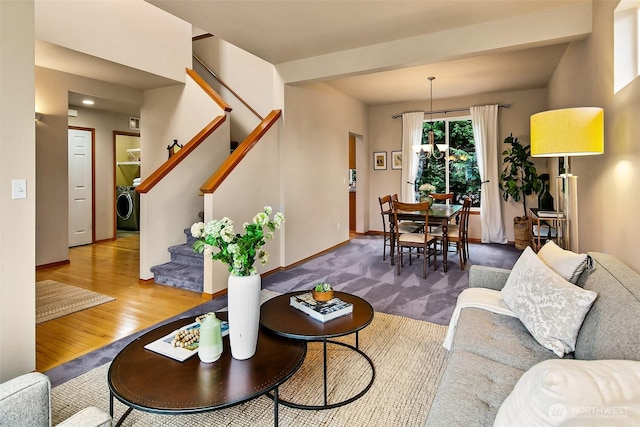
x: 379, y: 160
x: 396, y: 160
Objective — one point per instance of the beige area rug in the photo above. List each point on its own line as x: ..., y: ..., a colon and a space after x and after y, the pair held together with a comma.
x: 409, y: 361
x: 56, y: 299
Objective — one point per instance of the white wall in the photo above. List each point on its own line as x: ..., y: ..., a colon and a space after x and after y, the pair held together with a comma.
x: 315, y: 167
x: 104, y: 123
x: 252, y: 185
x: 608, y: 183
x: 386, y: 135
x: 247, y: 75
x: 52, y: 100
x: 312, y: 152
x: 17, y: 217
x: 132, y: 33
x: 176, y: 112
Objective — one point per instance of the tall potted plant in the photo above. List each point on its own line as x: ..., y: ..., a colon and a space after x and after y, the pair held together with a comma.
x: 519, y: 179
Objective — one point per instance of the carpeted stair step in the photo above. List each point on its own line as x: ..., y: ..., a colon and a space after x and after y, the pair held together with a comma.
x: 179, y: 276
x: 184, y: 254
x: 186, y: 268
x: 190, y: 238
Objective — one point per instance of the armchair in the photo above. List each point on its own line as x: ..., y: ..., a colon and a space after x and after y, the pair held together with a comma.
x: 26, y: 401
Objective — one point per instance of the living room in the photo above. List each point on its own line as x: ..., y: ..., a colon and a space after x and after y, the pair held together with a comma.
x: 602, y: 178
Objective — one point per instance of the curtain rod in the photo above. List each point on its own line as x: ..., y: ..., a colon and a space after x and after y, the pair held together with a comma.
x: 450, y: 110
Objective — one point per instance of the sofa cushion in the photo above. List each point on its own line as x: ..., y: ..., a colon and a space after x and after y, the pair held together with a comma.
x: 471, y: 391
x: 551, y: 308
x: 574, y: 392
x: 611, y: 329
x: 501, y: 338
x: 24, y: 401
x: 567, y: 264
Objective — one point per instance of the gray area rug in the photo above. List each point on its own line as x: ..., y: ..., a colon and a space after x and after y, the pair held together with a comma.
x: 356, y: 267
x: 56, y: 299
x: 407, y: 354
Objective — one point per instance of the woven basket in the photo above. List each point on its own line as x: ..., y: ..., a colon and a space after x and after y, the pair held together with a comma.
x: 521, y: 232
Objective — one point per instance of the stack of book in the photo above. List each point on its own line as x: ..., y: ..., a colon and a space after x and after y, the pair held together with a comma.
x: 322, y: 311
x: 550, y: 214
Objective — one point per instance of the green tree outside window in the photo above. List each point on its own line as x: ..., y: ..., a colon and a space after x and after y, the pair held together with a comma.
x: 463, y: 175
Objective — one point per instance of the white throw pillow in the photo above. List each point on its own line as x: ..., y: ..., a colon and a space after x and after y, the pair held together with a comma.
x: 551, y: 308
x: 566, y: 263
x: 574, y: 393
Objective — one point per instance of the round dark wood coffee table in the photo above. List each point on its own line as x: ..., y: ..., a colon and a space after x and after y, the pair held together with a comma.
x: 144, y: 380
x: 278, y: 317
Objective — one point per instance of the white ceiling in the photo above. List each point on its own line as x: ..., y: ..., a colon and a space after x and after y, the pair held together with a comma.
x: 292, y: 30
x: 283, y: 32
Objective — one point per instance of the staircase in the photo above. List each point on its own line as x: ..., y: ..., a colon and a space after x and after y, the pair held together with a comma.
x: 186, y: 268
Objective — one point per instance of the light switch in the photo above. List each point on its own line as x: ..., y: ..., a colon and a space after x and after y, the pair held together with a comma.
x: 18, y: 189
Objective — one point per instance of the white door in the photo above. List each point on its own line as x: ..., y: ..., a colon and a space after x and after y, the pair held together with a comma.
x: 80, y: 184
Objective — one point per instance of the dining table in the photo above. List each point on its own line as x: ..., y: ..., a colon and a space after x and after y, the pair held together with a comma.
x: 440, y: 212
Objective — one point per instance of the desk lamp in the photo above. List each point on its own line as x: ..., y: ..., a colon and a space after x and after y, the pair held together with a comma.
x: 564, y: 133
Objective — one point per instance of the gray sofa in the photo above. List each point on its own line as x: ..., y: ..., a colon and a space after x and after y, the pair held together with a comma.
x: 26, y: 401
x: 492, y: 351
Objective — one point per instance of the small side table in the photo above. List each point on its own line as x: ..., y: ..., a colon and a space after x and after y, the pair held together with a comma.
x: 544, y: 227
x: 278, y: 317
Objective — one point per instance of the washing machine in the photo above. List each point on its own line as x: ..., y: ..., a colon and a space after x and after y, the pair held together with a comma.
x: 128, y: 208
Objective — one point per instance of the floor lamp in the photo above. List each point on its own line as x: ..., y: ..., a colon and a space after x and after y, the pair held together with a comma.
x: 566, y: 133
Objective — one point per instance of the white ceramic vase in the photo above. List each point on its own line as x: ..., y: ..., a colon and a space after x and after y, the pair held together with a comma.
x: 243, y: 294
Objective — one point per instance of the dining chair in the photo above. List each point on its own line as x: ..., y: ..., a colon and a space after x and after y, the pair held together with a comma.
x: 386, y: 211
x: 439, y: 198
x: 420, y: 241
x: 457, y: 233
x: 386, y: 208
x: 409, y: 226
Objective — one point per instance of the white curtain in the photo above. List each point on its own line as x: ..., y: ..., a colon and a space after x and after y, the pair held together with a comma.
x: 484, y: 119
x: 411, y: 135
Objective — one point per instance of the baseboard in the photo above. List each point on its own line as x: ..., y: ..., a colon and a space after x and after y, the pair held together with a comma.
x: 214, y: 295
x: 53, y: 264
x: 110, y: 239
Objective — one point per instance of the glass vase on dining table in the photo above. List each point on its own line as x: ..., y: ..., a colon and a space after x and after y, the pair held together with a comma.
x: 427, y: 199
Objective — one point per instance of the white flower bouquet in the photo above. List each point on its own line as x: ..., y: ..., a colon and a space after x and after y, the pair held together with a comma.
x: 238, y: 251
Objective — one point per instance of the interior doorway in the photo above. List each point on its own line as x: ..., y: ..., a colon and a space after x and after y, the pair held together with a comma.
x: 352, y: 184
x: 81, y: 143
x: 127, y: 155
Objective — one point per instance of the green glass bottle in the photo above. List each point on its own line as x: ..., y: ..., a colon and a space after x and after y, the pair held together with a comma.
x: 545, y: 199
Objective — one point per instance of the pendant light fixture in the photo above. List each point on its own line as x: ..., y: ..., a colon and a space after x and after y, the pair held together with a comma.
x: 425, y: 151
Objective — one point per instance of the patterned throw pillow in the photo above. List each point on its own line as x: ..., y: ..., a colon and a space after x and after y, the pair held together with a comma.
x: 551, y: 308
x: 566, y: 263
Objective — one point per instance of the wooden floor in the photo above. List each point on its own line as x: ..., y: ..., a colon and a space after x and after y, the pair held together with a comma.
x: 110, y: 268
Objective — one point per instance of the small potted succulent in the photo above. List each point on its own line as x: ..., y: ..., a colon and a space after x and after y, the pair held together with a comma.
x: 322, y: 292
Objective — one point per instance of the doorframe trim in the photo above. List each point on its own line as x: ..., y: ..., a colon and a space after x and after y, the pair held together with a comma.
x: 93, y: 178
x: 115, y: 134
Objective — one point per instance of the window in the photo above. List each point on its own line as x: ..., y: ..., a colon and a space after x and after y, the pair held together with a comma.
x: 457, y: 170
x: 626, y: 62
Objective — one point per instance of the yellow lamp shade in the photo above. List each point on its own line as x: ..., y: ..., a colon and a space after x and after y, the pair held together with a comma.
x: 568, y: 132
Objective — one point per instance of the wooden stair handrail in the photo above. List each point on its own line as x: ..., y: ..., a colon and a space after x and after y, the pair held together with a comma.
x: 174, y: 160
x: 209, y: 90
x: 222, y: 82
x: 239, y: 153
